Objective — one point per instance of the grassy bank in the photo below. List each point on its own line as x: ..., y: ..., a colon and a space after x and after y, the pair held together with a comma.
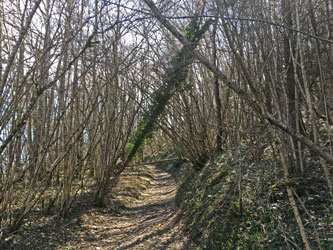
x: 236, y: 203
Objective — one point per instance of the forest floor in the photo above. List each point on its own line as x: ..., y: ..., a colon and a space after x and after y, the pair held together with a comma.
x: 148, y: 219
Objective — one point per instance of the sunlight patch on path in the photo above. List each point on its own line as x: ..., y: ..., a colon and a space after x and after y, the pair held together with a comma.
x: 152, y: 221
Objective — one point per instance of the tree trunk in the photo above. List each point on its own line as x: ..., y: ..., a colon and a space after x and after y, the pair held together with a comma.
x: 217, y: 93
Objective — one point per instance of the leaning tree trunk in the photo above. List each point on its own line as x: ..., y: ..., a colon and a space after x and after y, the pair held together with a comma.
x: 173, y: 79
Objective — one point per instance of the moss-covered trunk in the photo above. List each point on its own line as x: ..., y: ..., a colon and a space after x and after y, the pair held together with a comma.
x: 173, y: 79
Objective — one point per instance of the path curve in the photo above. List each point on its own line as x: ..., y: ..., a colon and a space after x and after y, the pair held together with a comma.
x: 153, y: 221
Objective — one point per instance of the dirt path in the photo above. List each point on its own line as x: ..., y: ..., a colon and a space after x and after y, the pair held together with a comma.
x: 150, y: 222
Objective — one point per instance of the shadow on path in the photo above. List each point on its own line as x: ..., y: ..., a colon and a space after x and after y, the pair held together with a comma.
x: 152, y: 221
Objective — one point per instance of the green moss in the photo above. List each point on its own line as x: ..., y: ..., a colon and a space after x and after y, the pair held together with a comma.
x: 173, y: 80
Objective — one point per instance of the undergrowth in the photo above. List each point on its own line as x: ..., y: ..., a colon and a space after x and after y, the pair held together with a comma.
x: 242, y: 204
